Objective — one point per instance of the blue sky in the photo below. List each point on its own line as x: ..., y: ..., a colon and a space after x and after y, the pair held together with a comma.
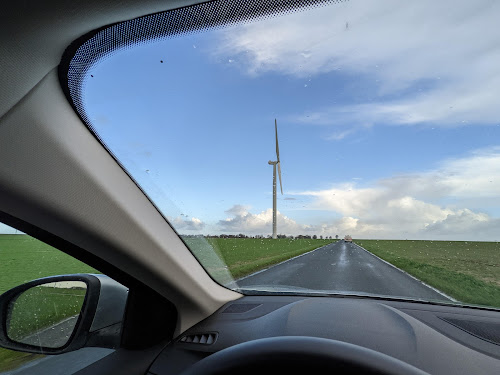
x: 388, y: 121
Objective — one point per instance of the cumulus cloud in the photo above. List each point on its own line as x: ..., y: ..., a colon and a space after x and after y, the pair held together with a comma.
x: 238, y: 210
x: 349, y: 225
x: 243, y: 221
x: 465, y: 221
x: 474, y: 177
x: 261, y: 223
x: 378, y: 208
x: 192, y: 224
x: 440, y: 58
x: 430, y: 204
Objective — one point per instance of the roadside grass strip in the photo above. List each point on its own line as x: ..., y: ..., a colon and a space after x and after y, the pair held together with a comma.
x: 467, y: 271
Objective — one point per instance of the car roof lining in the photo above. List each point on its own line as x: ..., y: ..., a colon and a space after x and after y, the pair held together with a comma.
x: 45, y: 29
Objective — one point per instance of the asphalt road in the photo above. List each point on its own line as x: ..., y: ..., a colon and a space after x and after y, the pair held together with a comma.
x: 54, y: 336
x: 343, y: 268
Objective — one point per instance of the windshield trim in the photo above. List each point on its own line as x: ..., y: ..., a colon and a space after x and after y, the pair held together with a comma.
x: 312, y: 293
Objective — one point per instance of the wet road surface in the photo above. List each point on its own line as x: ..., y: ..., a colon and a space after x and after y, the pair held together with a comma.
x: 344, y: 268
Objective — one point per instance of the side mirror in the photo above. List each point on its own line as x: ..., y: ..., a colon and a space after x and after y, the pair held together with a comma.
x: 60, y: 314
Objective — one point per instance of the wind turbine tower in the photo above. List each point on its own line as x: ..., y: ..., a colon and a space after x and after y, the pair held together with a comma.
x: 274, y: 164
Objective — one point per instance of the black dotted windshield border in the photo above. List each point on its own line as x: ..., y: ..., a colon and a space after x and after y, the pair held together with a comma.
x: 100, y: 44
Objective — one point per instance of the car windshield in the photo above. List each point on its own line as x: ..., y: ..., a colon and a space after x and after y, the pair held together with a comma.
x: 348, y: 148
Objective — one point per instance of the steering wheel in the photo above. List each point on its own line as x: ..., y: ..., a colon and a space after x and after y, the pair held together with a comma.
x: 296, y: 353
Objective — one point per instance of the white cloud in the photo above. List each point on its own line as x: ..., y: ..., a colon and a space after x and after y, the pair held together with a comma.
x: 261, y: 223
x: 462, y: 222
x: 431, y: 204
x: 381, y: 208
x: 238, y: 210
x: 243, y: 221
x: 474, y: 177
x: 338, y: 136
x: 441, y: 58
x: 192, y: 224
x: 349, y: 225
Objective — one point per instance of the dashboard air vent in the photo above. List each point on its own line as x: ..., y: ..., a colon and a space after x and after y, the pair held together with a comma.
x: 484, y: 330
x: 200, y: 338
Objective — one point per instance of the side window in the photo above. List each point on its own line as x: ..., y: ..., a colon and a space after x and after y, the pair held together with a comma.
x: 42, y: 311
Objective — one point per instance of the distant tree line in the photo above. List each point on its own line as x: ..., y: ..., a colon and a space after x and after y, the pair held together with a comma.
x: 241, y: 235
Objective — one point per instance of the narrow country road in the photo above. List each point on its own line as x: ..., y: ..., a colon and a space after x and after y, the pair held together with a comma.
x: 341, y: 267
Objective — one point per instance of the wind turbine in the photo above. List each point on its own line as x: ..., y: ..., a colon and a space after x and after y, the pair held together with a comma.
x: 274, y: 163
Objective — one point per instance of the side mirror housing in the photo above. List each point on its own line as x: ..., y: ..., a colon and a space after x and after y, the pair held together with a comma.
x: 60, y: 314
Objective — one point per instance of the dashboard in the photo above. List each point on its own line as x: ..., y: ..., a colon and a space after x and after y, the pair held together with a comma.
x: 434, y: 338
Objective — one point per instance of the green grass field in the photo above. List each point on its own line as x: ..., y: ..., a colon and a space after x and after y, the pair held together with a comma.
x: 466, y: 271
x: 23, y: 258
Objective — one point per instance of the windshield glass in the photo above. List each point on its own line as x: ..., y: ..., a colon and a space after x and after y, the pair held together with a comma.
x: 346, y: 147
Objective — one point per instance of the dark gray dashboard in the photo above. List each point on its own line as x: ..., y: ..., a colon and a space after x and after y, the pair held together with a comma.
x: 437, y: 339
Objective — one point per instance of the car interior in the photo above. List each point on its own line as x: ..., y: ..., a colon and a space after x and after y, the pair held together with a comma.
x: 152, y: 307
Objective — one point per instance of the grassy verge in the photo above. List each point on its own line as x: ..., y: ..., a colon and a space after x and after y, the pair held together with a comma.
x: 466, y: 271
x: 243, y: 256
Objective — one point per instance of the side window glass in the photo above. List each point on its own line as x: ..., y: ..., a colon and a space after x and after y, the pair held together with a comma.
x: 23, y: 259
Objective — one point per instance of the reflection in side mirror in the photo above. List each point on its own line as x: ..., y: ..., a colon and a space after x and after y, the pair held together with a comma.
x: 61, y: 314
x: 46, y: 315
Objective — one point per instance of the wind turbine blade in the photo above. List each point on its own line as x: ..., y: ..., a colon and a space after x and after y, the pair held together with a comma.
x: 279, y: 174
x: 277, y: 148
